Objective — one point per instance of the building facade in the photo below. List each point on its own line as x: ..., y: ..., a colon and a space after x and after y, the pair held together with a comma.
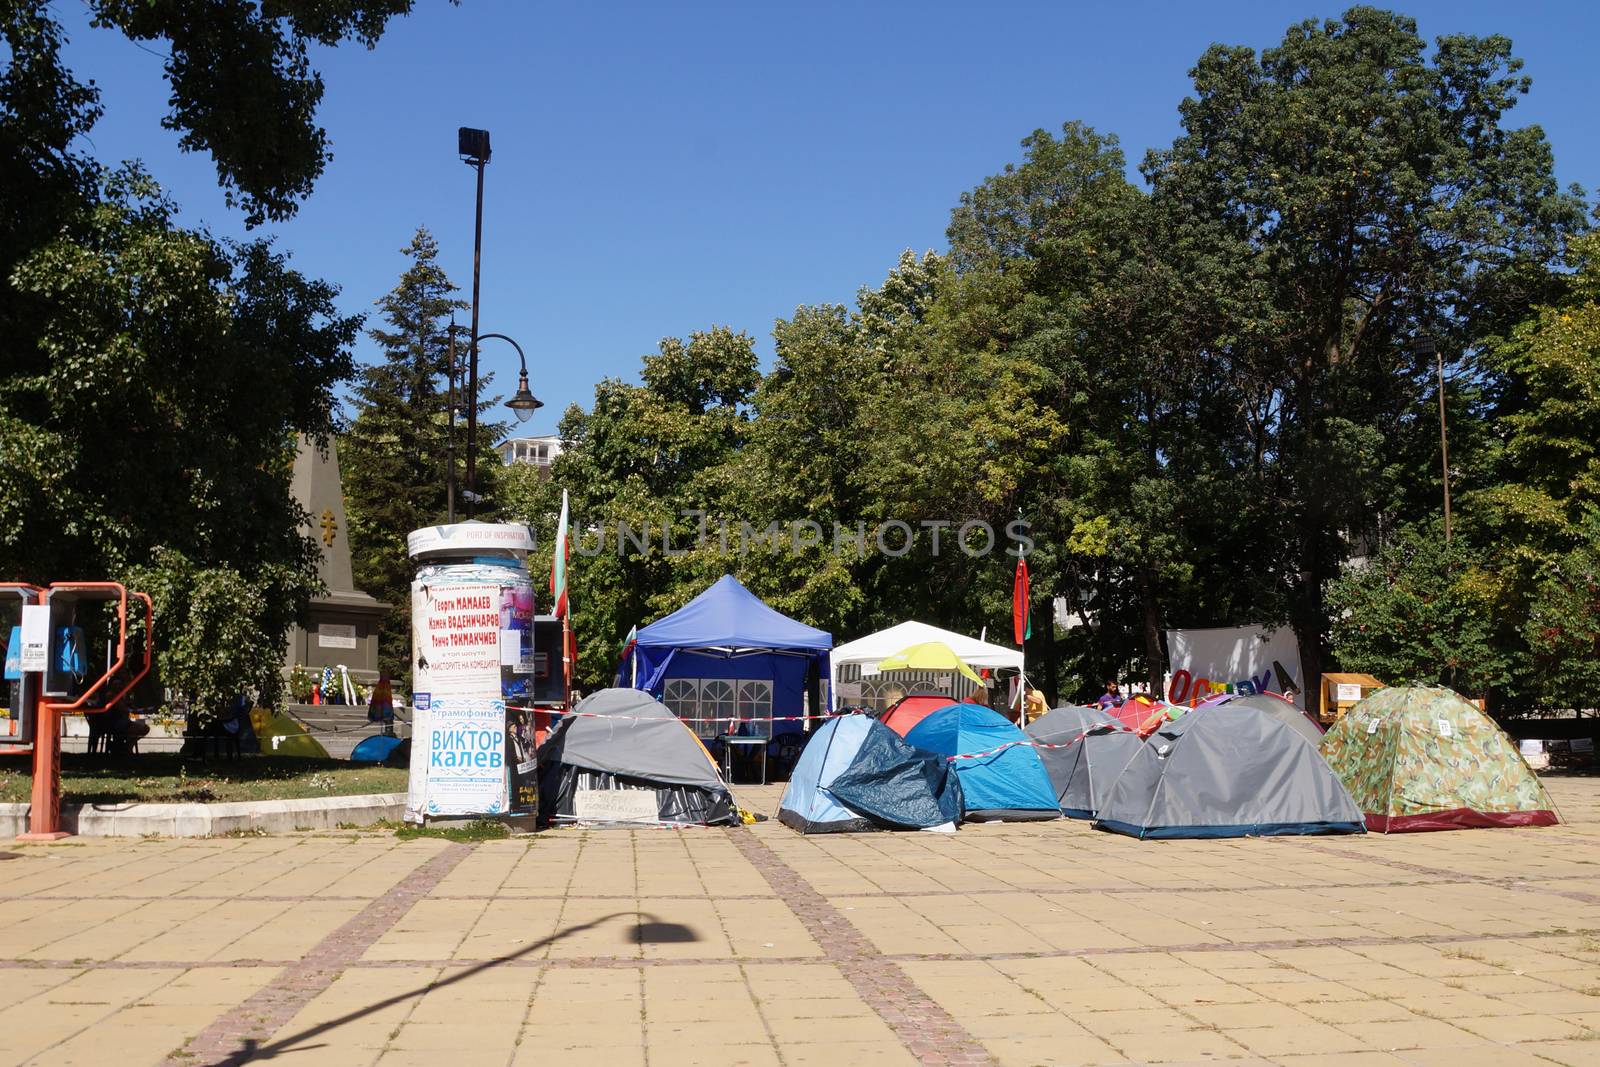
x: 538, y: 451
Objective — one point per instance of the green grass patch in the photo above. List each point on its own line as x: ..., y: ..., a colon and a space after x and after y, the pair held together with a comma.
x: 167, y: 778
x: 467, y: 833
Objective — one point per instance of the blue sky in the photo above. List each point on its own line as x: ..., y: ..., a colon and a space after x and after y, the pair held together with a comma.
x: 663, y: 167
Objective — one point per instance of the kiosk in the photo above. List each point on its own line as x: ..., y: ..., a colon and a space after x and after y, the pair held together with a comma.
x: 472, y: 658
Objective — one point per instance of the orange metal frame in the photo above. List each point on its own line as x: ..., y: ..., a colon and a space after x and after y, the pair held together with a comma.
x: 44, y: 815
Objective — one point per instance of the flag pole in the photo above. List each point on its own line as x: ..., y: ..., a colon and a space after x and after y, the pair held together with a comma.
x: 566, y: 655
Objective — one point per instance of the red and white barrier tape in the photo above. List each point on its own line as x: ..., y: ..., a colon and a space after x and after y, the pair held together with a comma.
x: 1114, y: 727
x: 655, y: 718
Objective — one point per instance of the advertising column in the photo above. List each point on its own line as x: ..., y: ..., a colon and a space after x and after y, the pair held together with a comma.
x: 471, y: 650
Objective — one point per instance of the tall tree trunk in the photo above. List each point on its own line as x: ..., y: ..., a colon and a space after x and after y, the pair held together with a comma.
x: 1052, y: 687
x: 1307, y: 620
x: 1154, y: 661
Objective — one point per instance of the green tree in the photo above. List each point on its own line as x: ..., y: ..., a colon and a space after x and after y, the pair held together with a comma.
x: 650, y: 457
x: 152, y: 379
x: 1349, y: 193
x: 1563, y: 628
x: 1537, y: 488
x: 150, y: 436
x: 1421, y: 610
x: 242, y: 86
x: 395, y: 454
x: 1070, y: 271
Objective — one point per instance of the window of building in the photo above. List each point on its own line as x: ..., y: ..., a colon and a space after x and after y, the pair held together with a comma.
x: 710, y: 706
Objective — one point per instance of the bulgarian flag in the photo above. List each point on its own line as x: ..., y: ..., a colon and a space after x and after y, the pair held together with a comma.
x: 1021, y: 624
x: 558, y: 563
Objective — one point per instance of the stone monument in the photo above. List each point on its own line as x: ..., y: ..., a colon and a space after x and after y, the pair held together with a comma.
x: 341, y: 626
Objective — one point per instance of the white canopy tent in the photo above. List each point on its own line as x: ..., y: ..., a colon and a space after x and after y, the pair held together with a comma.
x: 865, y: 653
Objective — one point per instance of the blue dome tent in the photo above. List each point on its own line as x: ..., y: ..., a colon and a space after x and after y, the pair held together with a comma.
x: 1008, y: 784
x: 857, y: 774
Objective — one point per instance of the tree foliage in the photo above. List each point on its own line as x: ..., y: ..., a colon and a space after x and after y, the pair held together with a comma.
x: 153, y: 380
x: 1421, y: 610
x: 1203, y: 396
x: 1355, y: 192
x: 149, y: 434
x: 395, y: 453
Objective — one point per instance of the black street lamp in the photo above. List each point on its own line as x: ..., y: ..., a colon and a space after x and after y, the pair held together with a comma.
x: 524, y: 403
x: 1425, y: 346
x: 473, y: 146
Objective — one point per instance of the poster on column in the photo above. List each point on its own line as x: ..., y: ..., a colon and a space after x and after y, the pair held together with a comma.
x: 456, y: 630
x: 465, y: 756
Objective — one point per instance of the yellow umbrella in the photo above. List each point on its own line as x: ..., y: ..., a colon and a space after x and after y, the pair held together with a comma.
x: 928, y: 656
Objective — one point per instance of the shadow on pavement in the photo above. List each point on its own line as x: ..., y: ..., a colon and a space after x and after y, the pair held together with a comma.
x: 653, y: 931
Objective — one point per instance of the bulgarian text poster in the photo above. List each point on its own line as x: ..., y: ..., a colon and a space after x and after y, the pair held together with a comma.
x: 464, y: 756
x: 456, y: 634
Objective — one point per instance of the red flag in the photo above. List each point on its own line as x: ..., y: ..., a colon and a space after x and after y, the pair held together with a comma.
x: 1021, y: 624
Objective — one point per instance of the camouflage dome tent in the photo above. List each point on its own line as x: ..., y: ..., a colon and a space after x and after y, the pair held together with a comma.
x: 1422, y: 758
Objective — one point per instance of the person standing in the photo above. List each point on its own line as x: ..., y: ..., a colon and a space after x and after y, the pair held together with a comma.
x: 380, y: 709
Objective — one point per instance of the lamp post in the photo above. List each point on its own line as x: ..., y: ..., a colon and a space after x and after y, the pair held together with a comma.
x: 524, y: 403
x: 473, y: 146
x: 1426, y: 346
x: 450, y: 434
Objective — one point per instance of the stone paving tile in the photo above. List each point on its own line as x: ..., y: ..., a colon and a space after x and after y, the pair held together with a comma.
x: 1013, y: 944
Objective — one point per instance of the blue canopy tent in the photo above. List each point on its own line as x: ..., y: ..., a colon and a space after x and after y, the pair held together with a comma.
x: 728, y: 634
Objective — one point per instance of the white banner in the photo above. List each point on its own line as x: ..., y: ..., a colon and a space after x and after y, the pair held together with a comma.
x: 1240, y: 659
x: 616, y: 805
x: 35, y: 637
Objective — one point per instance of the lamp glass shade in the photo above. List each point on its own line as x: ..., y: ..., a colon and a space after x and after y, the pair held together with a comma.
x: 524, y: 403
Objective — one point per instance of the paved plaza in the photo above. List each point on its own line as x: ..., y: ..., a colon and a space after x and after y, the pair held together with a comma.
x: 1011, y: 944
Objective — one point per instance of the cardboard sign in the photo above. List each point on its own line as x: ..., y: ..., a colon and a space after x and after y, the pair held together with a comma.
x: 35, y: 637
x: 616, y: 805
x: 1347, y: 692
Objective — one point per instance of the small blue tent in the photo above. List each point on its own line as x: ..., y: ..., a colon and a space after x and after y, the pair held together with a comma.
x: 375, y: 749
x: 728, y: 633
x: 857, y: 774
x: 1007, y: 784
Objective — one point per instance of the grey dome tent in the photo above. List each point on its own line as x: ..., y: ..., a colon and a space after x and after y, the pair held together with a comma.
x: 1278, y: 708
x: 1097, y: 748
x: 624, y: 739
x: 1227, y: 771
